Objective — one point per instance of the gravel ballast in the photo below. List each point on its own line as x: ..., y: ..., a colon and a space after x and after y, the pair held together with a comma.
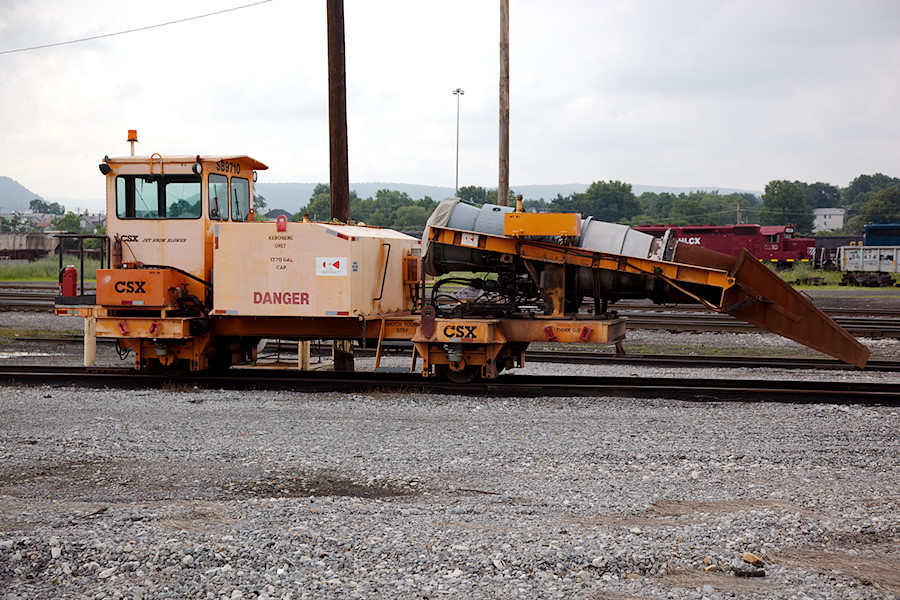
x: 187, y: 493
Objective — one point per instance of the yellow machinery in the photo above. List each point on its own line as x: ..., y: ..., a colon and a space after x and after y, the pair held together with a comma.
x: 195, y: 282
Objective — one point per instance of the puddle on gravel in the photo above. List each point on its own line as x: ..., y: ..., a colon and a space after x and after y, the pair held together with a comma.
x: 301, y: 485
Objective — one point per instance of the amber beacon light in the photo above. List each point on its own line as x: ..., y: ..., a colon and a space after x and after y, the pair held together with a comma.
x: 132, y: 138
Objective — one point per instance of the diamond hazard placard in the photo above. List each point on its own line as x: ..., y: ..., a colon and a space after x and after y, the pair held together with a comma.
x: 331, y: 265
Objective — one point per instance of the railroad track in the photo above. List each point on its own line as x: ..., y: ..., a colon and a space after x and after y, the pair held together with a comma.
x: 283, y: 352
x: 701, y: 390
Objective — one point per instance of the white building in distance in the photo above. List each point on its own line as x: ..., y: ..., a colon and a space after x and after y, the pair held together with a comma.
x: 828, y: 219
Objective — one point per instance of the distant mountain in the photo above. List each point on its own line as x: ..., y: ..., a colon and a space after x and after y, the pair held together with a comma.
x: 14, y: 196
x: 293, y: 196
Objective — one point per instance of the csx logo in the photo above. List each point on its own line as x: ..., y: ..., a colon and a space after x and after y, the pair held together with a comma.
x: 460, y: 331
x: 128, y: 238
x: 130, y: 287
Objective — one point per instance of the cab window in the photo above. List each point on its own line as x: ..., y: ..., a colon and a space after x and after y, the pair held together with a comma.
x: 158, y: 197
x: 240, y: 199
x: 218, y: 197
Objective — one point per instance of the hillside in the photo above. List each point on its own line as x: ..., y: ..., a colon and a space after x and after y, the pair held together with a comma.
x: 14, y: 196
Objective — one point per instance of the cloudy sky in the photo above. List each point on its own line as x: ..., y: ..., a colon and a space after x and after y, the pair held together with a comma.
x: 728, y: 94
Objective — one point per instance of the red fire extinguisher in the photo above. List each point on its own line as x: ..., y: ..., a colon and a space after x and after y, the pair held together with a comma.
x: 68, y: 281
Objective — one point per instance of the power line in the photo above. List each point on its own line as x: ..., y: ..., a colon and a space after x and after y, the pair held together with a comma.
x: 106, y: 35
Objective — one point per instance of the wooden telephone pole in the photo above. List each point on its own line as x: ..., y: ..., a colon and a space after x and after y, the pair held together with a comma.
x: 337, y: 113
x: 503, y: 188
x: 342, y: 350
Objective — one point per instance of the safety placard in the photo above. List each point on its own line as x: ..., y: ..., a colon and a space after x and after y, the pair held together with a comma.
x: 331, y: 266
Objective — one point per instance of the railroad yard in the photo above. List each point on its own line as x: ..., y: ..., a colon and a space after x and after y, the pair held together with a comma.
x: 209, y: 492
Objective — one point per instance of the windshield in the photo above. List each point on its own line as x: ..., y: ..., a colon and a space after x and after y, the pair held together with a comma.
x: 158, y: 196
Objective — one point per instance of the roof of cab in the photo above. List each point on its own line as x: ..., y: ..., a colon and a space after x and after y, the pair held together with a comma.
x: 254, y: 164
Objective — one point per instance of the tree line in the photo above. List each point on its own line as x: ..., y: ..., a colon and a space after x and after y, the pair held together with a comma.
x: 867, y: 199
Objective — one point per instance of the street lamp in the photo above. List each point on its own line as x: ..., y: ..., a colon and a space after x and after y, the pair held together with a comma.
x: 457, y: 92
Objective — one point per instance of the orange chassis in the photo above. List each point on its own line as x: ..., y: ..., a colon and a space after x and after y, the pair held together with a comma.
x: 477, y: 346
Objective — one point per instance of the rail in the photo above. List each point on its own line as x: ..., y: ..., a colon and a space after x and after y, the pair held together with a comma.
x: 519, y: 386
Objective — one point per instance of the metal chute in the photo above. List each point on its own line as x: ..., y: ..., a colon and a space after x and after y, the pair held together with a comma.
x: 609, y: 262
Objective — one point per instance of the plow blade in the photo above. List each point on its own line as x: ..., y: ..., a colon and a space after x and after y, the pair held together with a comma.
x: 762, y: 298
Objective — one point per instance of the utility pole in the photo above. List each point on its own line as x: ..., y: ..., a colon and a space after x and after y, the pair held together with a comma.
x: 337, y: 113
x: 457, y: 92
x: 503, y: 188
x: 342, y: 350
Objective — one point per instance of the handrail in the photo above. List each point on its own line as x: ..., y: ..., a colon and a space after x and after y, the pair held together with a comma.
x: 80, y: 237
x: 387, y: 261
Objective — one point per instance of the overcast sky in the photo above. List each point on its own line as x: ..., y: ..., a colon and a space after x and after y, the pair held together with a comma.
x: 727, y: 94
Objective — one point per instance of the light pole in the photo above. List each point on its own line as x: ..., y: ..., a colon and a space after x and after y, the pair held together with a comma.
x: 457, y: 92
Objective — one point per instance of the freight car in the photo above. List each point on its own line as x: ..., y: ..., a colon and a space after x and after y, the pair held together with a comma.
x: 775, y: 244
x: 27, y: 246
x: 827, y: 247
x: 195, y: 283
x: 881, y: 234
x: 879, y: 253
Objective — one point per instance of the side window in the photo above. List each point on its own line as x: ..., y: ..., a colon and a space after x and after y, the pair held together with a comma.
x: 218, y: 197
x: 240, y: 199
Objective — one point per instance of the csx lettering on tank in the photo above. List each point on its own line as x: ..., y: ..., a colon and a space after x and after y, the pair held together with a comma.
x: 460, y: 331
x: 130, y: 287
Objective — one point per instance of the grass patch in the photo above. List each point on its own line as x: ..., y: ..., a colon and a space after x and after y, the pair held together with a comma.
x: 8, y: 334
x: 46, y: 269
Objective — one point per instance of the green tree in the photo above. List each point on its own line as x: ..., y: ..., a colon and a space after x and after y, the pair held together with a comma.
x: 821, y: 195
x: 13, y: 224
x: 607, y: 201
x: 68, y: 222
x: 493, y: 193
x: 410, y: 218
x: 39, y: 206
x: 783, y: 203
x: 689, y: 209
x: 863, y: 188
x: 319, y: 205
x: 538, y: 205
x: 883, y: 208
x: 473, y: 194
x: 259, y: 202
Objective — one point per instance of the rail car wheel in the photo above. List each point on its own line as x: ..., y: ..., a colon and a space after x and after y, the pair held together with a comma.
x: 465, y: 375
x: 175, y: 368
